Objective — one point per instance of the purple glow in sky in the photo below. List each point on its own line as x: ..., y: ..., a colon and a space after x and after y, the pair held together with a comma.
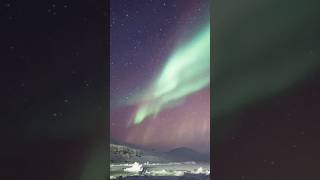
x: 144, y: 36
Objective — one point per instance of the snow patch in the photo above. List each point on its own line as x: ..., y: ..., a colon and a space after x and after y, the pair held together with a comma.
x: 164, y: 172
x: 200, y: 170
x: 136, y: 167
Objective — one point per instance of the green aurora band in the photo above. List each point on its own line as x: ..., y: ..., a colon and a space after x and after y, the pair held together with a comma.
x: 187, y: 71
x: 259, y: 54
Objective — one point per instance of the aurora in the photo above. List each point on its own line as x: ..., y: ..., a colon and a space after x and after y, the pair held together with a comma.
x: 186, y: 71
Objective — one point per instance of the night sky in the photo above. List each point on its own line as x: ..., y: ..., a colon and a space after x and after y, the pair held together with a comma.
x: 54, y: 84
x: 264, y: 94
x: 265, y: 89
x: 156, y: 45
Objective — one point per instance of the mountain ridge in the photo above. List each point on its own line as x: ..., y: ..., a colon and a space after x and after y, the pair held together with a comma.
x: 122, y: 153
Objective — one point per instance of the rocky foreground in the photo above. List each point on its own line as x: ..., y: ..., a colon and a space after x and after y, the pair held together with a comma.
x: 130, y: 163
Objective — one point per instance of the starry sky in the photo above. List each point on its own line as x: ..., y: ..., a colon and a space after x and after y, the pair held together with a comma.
x: 54, y: 84
x: 265, y: 89
x: 159, y: 78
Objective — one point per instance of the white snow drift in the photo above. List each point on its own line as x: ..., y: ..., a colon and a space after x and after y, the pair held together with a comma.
x: 136, y: 167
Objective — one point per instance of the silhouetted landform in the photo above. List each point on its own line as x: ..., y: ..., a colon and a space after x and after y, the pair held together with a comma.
x: 125, y: 154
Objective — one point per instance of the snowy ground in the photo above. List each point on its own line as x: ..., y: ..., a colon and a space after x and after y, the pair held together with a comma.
x: 174, y: 170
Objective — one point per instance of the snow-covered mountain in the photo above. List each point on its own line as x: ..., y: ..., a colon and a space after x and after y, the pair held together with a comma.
x: 126, y: 154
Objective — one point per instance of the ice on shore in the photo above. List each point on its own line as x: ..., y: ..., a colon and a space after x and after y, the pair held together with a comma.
x: 164, y: 172
x: 200, y: 170
x: 136, y: 167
